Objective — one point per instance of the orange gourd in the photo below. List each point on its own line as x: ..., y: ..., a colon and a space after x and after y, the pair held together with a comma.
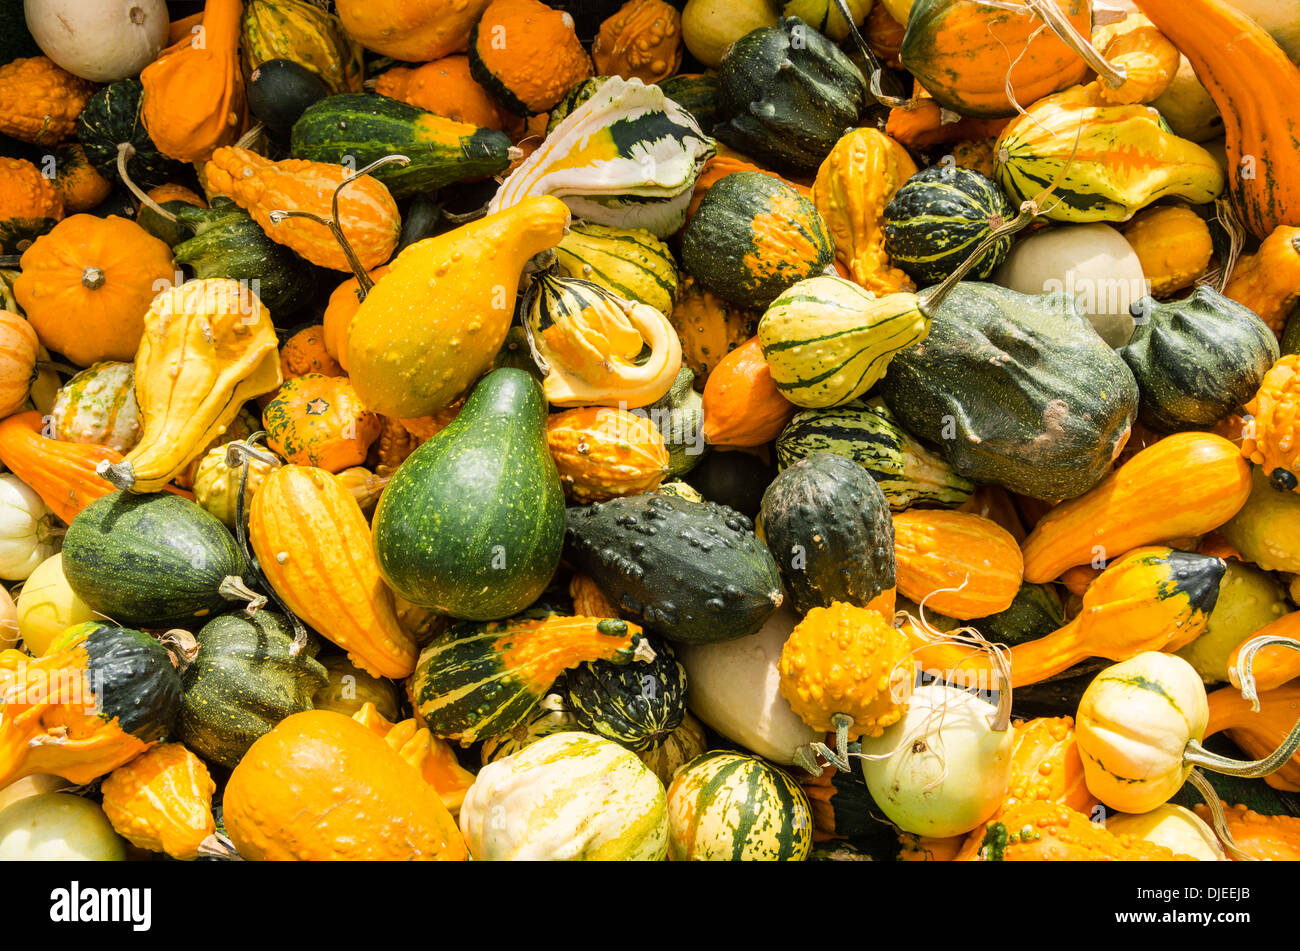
x: 40, y: 102
x: 527, y: 55
x: 1149, y: 60
x: 162, y: 801
x: 28, y: 200
x: 709, y: 328
x: 1268, y: 281
x: 61, y: 473
x: 1259, y: 732
x: 602, y: 453
x: 414, y: 31
x: 173, y: 192
x: 1270, y: 441
x: 720, y: 166
x: 588, y: 599
x: 316, y: 420
x: 445, y: 88
x: 643, y: 40
x: 433, y: 758
x: 305, y: 353
x: 1267, y: 838
x: 1173, y: 246
x: 193, y: 99
x: 314, y: 547
x: 742, y: 405
x: 920, y: 123
x: 1038, y: 831
x: 79, y: 184
x: 884, y: 35
x: 1046, y: 766
x: 339, y: 311
x: 18, y: 346
x: 960, y: 564
x: 1274, y: 665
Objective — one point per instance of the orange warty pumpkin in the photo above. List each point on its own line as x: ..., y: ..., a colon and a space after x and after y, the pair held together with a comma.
x: 162, y: 801
x: 305, y: 353
x: 602, y: 453
x: 27, y: 196
x: 316, y: 420
x: 937, y: 550
x: 643, y: 40
x: 18, y: 346
x: 39, y: 102
x: 742, y: 405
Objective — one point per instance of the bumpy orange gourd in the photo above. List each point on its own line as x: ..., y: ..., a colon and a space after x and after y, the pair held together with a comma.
x: 1150, y: 61
x: 39, y: 102
x: 1185, y: 484
x: 1272, y: 440
x: 87, y: 285
x: 27, y: 196
x: 709, y: 328
x: 18, y: 346
x: 939, y: 551
x: 162, y: 801
x: 193, y: 98
x: 1259, y: 733
x: 317, y: 420
x: 1173, y: 245
x: 433, y: 758
x: 305, y: 353
x: 742, y: 406
x: 414, y: 31
x: 846, y: 660
x: 445, y: 88
x: 527, y: 55
x: 852, y: 188
x: 1046, y: 766
x: 79, y: 184
x: 1037, y: 831
x: 643, y: 40
x: 1267, y: 838
x: 367, y: 213
x: 1268, y: 281
x: 313, y: 544
x: 602, y: 453
x: 321, y: 786
x: 339, y: 311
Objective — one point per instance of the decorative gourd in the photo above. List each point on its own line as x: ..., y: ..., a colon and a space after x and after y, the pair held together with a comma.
x: 306, y: 34
x: 1045, y: 765
x: 1259, y: 725
x: 1267, y: 139
x: 40, y: 102
x: 1188, y: 108
x: 854, y: 184
x: 18, y: 346
x: 526, y: 55
x: 216, y: 484
x: 551, y: 715
x: 742, y: 405
x: 786, y: 94
x: 411, y: 30
x: 919, y: 123
x: 162, y: 801
x: 339, y: 311
x: 244, y: 425
x: 697, y: 93
x: 104, y: 270
x: 603, y: 453
x: 57, y: 826
x: 827, y: 524
x: 321, y: 786
x: 827, y: 341
x: 1269, y: 439
x: 1106, y: 161
x: 1176, y: 828
x: 636, y: 705
x: 408, y: 361
x: 1203, y: 483
x: 349, y: 688
x: 939, y: 551
x: 26, y: 531
x: 112, y: 119
x: 1052, y: 832
x: 433, y: 759
x: 1271, y: 666
x: 316, y: 420
x: 61, y: 473
x: 482, y: 679
x: 1267, y: 838
x: 1150, y: 62
x: 974, y: 58
x: 906, y: 471
x: 1264, y: 531
x: 79, y: 184
x: 710, y: 27
x: 1265, y: 281
x: 47, y: 606
x: 569, y: 796
x: 682, y: 745
x: 679, y: 416
x: 937, y: 219
x: 1173, y: 244
x: 208, y: 347
x: 30, y: 204
x: 633, y: 264
x: 443, y: 87
x: 97, y: 406
x: 101, y: 41
x: 305, y: 353
x: 708, y: 327
x: 668, y: 580
x: 299, y: 515
x: 100, y: 696
x: 642, y: 40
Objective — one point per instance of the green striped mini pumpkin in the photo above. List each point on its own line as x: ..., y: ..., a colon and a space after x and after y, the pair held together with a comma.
x: 939, y: 217
x: 637, y: 705
x: 731, y: 807
x: 906, y: 471
x: 632, y: 263
x: 827, y: 341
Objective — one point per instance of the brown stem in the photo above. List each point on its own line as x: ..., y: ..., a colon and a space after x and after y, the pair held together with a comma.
x: 119, y: 475
x: 182, y: 645
x: 878, y: 73
x: 125, y: 151
x: 1218, y: 820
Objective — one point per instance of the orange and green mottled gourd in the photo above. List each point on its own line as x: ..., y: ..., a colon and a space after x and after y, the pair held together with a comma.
x: 1268, y: 281
x: 1272, y: 439
x: 853, y: 186
x: 313, y: 544
x: 193, y: 99
x: 162, y: 801
x: 434, y: 323
x: 1037, y: 831
x: 1238, y: 62
x: 323, y: 787
x: 1267, y: 838
x: 39, y: 102
x: 1259, y: 732
x: 960, y: 564
x: 305, y: 33
x: 317, y: 420
x: 30, y: 203
x: 602, y: 453
x: 433, y: 759
x: 367, y: 213
x: 846, y: 661
x: 1185, y: 484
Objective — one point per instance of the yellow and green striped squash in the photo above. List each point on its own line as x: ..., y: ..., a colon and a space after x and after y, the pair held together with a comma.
x: 731, y: 807
x: 631, y: 262
x: 566, y: 797
x: 827, y: 341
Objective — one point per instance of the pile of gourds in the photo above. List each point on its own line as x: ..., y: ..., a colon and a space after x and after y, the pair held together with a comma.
x: 507, y: 429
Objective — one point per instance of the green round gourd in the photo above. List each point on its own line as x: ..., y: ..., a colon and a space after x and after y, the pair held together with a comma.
x: 679, y: 416
x: 112, y: 117
x: 571, y: 100
x: 726, y: 806
x: 132, y: 676
x: 637, y: 705
x: 279, y: 92
x: 937, y: 219
x: 631, y: 263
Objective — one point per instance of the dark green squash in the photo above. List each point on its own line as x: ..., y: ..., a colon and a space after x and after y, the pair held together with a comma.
x: 243, y: 680
x: 697, y: 93
x: 637, y: 705
x: 689, y: 571
x: 938, y: 218
x: 906, y: 471
x: 733, y: 478
x: 131, y: 675
x: 828, y: 526
x: 786, y: 94
x: 1197, y: 360
x: 421, y: 219
x: 111, y: 118
x: 1034, y: 612
x: 155, y: 560
x: 1290, y: 342
x: 1016, y: 390
x: 279, y: 92
x: 358, y: 129
x: 752, y: 237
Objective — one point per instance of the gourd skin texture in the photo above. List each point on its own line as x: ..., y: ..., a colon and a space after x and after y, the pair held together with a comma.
x: 527, y: 55
x: 643, y: 40
x: 1271, y: 440
x: 601, y: 453
x: 162, y: 801
x: 938, y: 551
x: 569, y: 796
x: 410, y: 30
x: 1174, y: 246
x: 61, y: 473
x: 39, y: 102
x: 1268, y: 281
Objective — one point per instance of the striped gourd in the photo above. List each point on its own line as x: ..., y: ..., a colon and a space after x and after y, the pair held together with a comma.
x: 906, y: 471
x: 98, y: 406
x: 828, y: 341
x: 938, y: 218
x: 551, y: 715
x: 682, y: 745
x: 726, y: 806
x: 637, y: 705
x: 632, y: 263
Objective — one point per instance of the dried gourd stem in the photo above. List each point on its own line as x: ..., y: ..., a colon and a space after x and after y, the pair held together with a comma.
x: 217, y: 846
x: 1242, y: 674
x: 182, y: 645
x: 1227, y: 216
x: 465, y: 217
x: 644, y: 652
x: 364, y: 283
x: 233, y: 588
x: 249, y: 138
x: 10, y: 260
x: 1217, y: 819
x: 57, y: 367
x: 125, y: 152
x: 879, y: 75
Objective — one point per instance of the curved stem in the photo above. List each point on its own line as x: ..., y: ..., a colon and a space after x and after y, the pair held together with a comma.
x: 182, y: 645
x: 838, y: 757
x: 876, y: 80
x: 1242, y: 675
x: 57, y: 367
x: 1218, y: 820
x: 1051, y: 14
x: 1198, y: 755
x: 126, y: 151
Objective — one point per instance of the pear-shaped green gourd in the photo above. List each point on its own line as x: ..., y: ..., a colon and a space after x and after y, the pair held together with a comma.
x: 472, y: 523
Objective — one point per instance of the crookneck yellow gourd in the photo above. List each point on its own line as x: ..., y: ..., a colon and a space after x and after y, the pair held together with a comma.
x: 431, y: 326
x: 208, y: 348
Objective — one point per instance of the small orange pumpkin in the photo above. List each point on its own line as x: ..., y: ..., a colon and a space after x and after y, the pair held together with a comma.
x: 317, y: 420
x: 742, y: 405
x: 79, y: 184
x: 340, y: 310
x: 40, y: 102
x: 602, y: 453
x: 445, y: 88
x: 527, y: 55
x: 18, y: 346
x: 305, y: 353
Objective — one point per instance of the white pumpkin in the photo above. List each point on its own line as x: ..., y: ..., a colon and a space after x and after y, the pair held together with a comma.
x: 33, y: 785
x: 1175, y: 827
x: 1093, y: 263
x: 26, y: 529
x: 569, y: 796
x: 99, y: 40
x: 58, y: 827
x: 735, y: 687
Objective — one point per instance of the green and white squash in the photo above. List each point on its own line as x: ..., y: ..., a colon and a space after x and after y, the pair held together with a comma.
x: 634, y: 264
x: 98, y: 406
x: 729, y: 807
x: 637, y: 705
x: 566, y: 797
x: 907, y: 472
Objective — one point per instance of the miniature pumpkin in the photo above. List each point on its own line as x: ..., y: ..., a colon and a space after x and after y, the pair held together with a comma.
x: 526, y: 55
x: 642, y: 40
x: 445, y: 88
x: 602, y: 453
x: 162, y: 801
x: 1173, y: 244
x: 742, y: 405
x: 317, y: 420
x: 414, y: 31
x: 39, y: 102
x: 30, y: 205
x: 78, y: 183
x: 18, y: 346
x: 305, y: 353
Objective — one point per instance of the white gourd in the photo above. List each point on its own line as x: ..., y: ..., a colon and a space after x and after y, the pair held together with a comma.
x: 27, y: 535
